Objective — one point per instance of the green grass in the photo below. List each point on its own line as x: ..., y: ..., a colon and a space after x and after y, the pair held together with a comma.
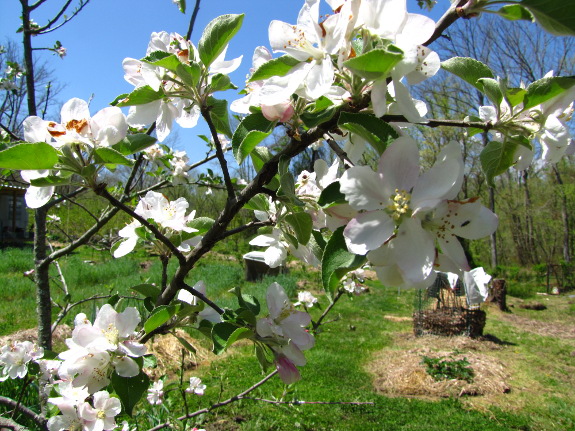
x: 542, y: 367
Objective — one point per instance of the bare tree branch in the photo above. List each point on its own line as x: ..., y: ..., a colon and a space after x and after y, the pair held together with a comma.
x: 40, y: 420
x: 193, y: 20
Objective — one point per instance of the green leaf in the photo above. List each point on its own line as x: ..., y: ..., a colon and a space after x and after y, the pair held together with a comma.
x: 51, y: 180
x: 260, y: 156
x: 189, y: 74
x: 331, y: 196
x: 219, y: 115
x: 185, y: 343
x: 545, y: 89
x: 182, y: 5
x: 132, y: 144
x: 337, y: 261
x: 249, y: 302
x: 159, y: 316
x: 492, y: 90
x: 252, y: 130
x: 515, y: 96
x: 468, y: 69
x: 130, y: 390
x: 202, y: 224
x: 555, y: 16
x: 221, y: 332
x: 312, y: 119
x: 277, y: 67
x: 496, y: 158
x: 377, y: 132
x: 110, y: 155
x: 217, y: 35
x: 259, y: 202
x: 163, y: 59
x: 148, y: 290
x: 221, y: 82
x: 514, y: 12
x: 302, y: 225
x: 29, y: 156
x: 375, y: 64
x: 139, y: 96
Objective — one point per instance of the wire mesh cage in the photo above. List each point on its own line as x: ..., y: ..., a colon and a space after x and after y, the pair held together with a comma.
x: 443, y: 309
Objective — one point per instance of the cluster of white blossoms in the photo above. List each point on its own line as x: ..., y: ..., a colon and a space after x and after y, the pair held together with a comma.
x: 546, y: 122
x: 169, y: 216
x: 80, y: 374
x: 284, y: 332
x: 319, y: 49
x: 15, y: 357
x: 107, y: 127
x: 179, y: 104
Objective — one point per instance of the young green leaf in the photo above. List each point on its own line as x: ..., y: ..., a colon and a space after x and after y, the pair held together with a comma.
x: 492, y: 90
x: 377, y: 132
x: 159, y: 316
x: 130, y: 390
x: 514, y: 12
x: 250, y: 132
x: 545, y: 89
x: 496, y: 158
x: 140, y: 96
x: 337, y: 261
x: 132, y: 144
x: 219, y: 115
x: 217, y: 35
x: 277, y: 67
x: 110, y: 155
x: 468, y: 69
x: 375, y: 64
x: 555, y: 16
x: 163, y: 59
x: 148, y: 290
x: 29, y: 156
x: 302, y: 225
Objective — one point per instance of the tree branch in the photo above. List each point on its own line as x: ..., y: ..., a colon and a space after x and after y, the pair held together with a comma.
x: 40, y: 420
x: 220, y: 154
x: 46, y: 29
x: 448, y: 18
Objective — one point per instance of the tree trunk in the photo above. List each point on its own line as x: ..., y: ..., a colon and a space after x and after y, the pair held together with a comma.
x: 499, y: 294
x: 564, y: 216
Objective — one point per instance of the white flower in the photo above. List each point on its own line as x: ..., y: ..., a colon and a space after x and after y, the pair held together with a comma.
x: 284, y: 330
x: 396, y: 191
x: 306, y: 298
x: 67, y: 421
x: 208, y: 313
x: 276, y: 251
x: 307, y: 40
x: 196, y: 386
x: 101, y: 416
x: 14, y: 359
x: 156, y: 393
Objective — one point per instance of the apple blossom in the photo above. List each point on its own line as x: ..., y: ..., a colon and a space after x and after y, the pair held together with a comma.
x: 14, y: 359
x: 196, y: 387
x: 101, y: 416
x: 284, y: 331
x: 306, y: 298
x: 156, y: 393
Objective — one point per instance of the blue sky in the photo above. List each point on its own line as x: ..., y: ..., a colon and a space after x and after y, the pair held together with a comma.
x: 107, y: 31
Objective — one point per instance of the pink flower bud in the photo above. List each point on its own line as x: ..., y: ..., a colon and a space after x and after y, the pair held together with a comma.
x: 280, y: 112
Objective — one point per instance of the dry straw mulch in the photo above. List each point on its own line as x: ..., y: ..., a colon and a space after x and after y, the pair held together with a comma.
x: 401, y: 373
x: 169, y: 353
x: 58, y: 336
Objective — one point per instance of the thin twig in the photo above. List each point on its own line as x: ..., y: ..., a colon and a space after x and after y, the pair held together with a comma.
x: 193, y: 20
x: 299, y: 403
x: 160, y: 236
x: 317, y: 324
x: 251, y: 225
x: 448, y: 18
x: 46, y: 28
x: 10, y: 133
x: 219, y: 404
x: 340, y: 153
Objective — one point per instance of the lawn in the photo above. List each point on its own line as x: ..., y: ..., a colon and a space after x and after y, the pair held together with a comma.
x: 339, y: 389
